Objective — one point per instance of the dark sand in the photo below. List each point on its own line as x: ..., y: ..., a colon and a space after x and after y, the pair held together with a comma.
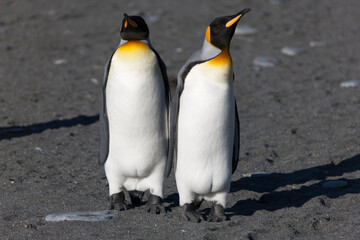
x: 297, y: 123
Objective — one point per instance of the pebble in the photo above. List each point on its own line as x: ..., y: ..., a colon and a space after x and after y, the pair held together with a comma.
x: 154, y: 18
x: 50, y: 12
x: 81, y: 216
x: 94, y: 81
x: 350, y: 83
x: 316, y: 44
x: 60, y: 61
x: 38, y: 149
x: 245, y: 30
x: 335, y: 184
x: 266, y: 61
x: 3, y: 29
x: 292, y: 51
x: 257, y: 68
x: 179, y: 49
x: 256, y: 174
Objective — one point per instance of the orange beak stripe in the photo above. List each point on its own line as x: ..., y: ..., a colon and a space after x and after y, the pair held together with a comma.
x: 125, y: 24
x: 232, y: 21
x: 132, y: 23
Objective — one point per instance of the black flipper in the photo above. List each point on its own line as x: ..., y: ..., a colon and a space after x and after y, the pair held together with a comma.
x: 236, y: 148
x: 104, y: 123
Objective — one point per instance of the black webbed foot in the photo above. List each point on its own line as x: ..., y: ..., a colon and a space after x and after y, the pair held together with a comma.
x: 117, y: 202
x: 217, y: 213
x: 190, y: 212
x: 154, y: 205
x: 136, y: 197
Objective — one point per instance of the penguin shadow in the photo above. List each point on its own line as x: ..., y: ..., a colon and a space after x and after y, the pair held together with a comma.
x: 21, y: 131
x: 272, y: 200
x: 171, y: 202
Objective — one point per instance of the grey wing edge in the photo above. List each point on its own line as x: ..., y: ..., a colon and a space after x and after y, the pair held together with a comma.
x: 104, y: 123
x: 236, y: 146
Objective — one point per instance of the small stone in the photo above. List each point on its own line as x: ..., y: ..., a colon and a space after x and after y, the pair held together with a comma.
x: 50, y: 12
x: 266, y: 61
x: 245, y: 30
x: 179, y: 50
x: 350, y: 83
x: 154, y: 18
x: 256, y: 174
x: 3, y: 29
x: 335, y: 184
x: 292, y: 51
x: 60, y: 61
x: 38, y: 149
x: 257, y: 68
x: 94, y: 81
x: 316, y: 44
x: 81, y: 216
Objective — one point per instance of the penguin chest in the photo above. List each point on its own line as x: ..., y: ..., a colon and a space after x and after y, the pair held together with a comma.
x: 206, y: 127
x: 136, y: 108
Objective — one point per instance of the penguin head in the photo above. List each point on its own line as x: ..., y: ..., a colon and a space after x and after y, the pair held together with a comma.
x: 134, y: 28
x: 221, y: 30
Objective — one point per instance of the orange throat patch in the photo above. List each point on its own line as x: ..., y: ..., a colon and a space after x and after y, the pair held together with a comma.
x: 222, y: 59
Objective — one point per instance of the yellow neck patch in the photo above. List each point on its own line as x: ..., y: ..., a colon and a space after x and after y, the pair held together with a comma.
x: 222, y: 59
x: 131, y: 46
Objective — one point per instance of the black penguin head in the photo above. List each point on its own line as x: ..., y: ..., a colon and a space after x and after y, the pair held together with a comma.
x: 221, y: 30
x: 134, y: 28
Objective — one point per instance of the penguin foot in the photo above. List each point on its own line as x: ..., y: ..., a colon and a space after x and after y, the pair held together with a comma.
x: 154, y: 205
x: 190, y: 212
x: 217, y: 213
x: 117, y: 202
x: 136, y: 197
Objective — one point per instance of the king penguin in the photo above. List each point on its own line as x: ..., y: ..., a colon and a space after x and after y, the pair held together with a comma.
x: 134, y: 125
x: 204, y: 123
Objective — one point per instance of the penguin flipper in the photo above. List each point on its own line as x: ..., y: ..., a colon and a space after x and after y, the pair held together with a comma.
x: 168, y: 100
x: 204, y: 54
x: 104, y: 123
x: 173, y: 130
x: 236, y: 147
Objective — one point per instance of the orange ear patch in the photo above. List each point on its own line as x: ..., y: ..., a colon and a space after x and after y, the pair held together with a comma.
x: 232, y: 21
x: 207, y: 34
x: 132, y: 23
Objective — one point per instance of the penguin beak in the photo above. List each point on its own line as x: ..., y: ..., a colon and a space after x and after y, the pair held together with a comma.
x: 129, y: 21
x: 237, y: 17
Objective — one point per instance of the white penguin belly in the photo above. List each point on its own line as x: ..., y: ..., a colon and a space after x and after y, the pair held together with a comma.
x: 136, y: 109
x: 205, y: 132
